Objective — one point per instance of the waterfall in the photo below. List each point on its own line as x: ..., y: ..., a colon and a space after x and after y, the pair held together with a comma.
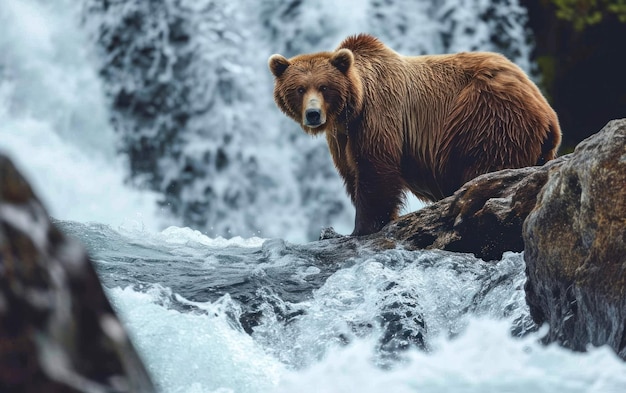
x: 54, y: 120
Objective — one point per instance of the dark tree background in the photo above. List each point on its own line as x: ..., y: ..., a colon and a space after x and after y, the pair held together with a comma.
x: 580, y: 48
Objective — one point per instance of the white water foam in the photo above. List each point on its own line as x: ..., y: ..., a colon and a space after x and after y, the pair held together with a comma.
x: 469, y: 351
x: 177, y: 235
x: 483, y: 359
x: 187, y: 352
x: 206, y: 353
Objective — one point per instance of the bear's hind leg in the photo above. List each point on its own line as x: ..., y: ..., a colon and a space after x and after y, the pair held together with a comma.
x: 551, y: 143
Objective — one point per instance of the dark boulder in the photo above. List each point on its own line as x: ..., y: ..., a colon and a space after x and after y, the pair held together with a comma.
x: 576, y: 246
x: 58, y: 332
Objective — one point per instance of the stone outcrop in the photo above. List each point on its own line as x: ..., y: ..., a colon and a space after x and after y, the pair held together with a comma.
x: 484, y: 217
x: 58, y: 332
x: 576, y: 246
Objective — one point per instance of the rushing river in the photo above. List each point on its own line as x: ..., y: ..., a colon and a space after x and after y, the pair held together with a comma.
x: 254, y: 315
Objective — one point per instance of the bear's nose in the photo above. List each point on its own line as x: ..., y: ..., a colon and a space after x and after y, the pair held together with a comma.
x: 313, y: 117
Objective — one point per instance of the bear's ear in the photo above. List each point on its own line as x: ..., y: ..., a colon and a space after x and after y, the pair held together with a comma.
x: 342, y: 59
x: 278, y: 64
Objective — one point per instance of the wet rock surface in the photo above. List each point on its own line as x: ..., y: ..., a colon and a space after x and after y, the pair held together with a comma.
x: 576, y: 246
x: 58, y: 332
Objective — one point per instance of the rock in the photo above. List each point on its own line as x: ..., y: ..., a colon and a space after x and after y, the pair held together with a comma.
x: 329, y: 233
x: 58, y: 332
x: 576, y: 246
x: 484, y: 217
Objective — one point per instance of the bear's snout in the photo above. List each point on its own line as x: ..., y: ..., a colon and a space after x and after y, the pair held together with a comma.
x: 312, y: 117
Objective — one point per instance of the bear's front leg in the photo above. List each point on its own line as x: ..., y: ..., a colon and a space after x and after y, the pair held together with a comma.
x: 378, y: 197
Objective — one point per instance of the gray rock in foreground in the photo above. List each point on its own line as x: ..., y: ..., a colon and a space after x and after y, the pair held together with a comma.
x: 58, y: 332
x: 576, y: 246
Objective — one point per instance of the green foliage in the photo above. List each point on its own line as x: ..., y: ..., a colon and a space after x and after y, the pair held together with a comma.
x: 618, y: 7
x: 583, y: 13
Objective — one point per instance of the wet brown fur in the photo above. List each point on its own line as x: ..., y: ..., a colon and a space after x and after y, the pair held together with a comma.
x: 423, y: 123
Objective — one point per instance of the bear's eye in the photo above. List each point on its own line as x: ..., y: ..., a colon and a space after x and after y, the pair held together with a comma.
x: 323, y: 88
x: 300, y: 90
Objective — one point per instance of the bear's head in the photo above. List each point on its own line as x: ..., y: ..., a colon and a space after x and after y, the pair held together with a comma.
x: 320, y: 91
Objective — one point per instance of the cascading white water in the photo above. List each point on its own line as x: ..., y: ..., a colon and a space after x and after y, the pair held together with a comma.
x: 53, y: 118
x: 199, y: 346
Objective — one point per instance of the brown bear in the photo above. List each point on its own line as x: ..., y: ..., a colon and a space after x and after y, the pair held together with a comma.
x: 423, y: 123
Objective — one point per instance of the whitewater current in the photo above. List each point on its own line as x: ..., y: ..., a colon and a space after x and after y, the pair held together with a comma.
x: 324, y: 326
x: 53, y: 121
x: 261, y: 315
